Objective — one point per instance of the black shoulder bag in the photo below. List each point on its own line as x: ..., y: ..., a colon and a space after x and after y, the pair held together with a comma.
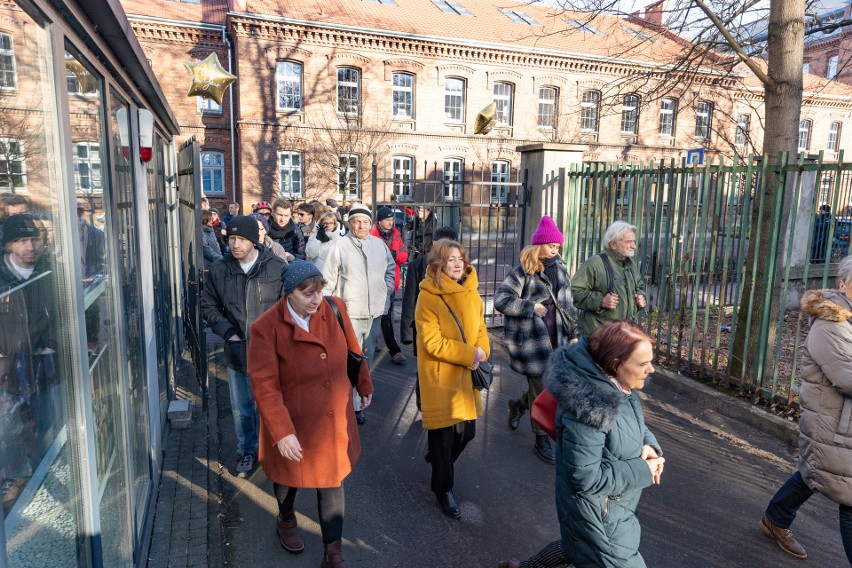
x: 484, y: 374
x: 353, y: 360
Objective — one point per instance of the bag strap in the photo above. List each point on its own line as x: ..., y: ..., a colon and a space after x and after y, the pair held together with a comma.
x: 567, y: 321
x: 336, y: 313
x: 458, y: 323
x: 610, y: 286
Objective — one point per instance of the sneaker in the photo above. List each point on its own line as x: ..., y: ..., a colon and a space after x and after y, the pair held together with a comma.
x: 398, y: 358
x: 544, y: 450
x: 245, y: 465
x: 516, y: 412
x: 783, y: 537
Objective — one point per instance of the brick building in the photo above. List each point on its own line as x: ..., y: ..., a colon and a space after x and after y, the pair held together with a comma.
x: 326, y: 87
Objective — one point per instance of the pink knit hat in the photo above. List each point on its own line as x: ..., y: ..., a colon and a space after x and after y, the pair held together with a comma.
x: 547, y: 232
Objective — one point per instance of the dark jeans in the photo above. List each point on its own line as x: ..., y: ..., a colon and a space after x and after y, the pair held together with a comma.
x: 534, y: 387
x: 445, y: 447
x: 330, y: 502
x: 387, y: 331
x: 792, y: 495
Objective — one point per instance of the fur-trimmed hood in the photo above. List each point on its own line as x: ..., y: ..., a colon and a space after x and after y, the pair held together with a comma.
x: 581, y: 388
x: 829, y: 305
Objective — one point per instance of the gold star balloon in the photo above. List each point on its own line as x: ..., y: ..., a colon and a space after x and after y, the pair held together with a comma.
x: 486, y: 119
x: 209, y: 79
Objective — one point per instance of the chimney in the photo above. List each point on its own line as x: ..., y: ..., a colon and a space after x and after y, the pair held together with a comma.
x: 654, y: 13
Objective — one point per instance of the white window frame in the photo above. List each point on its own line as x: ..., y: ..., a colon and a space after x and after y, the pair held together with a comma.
x: 452, y: 176
x: 590, y: 111
x: 9, y: 77
x: 833, y: 142
x: 547, y: 106
x: 454, y: 99
x: 831, y: 71
x: 806, y: 68
x: 402, y: 100
x: 288, y: 75
x: 208, y: 106
x: 349, y: 106
x: 703, y: 119
x: 349, y: 175
x: 630, y: 114
x: 825, y: 185
x: 93, y: 166
x: 502, y: 96
x: 500, y: 170
x: 741, y: 132
x: 290, y: 163
x: 402, y: 172
x: 668, y: 114
x: 804, y: 141
x: 18, y: 158
x: 211, y: 171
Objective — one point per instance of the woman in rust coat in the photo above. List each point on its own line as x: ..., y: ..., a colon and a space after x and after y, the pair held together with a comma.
x: 308, y: 434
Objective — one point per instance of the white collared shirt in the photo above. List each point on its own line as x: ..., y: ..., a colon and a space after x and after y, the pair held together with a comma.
x: 300, y: 321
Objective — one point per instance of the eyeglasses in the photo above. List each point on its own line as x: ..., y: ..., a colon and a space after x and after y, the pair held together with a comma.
x: 302, y: 214
x: 267, y: 214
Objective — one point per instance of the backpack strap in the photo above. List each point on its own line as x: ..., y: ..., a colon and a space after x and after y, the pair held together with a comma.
x: 610, y: 285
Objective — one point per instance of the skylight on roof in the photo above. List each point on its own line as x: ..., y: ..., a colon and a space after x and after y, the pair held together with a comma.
x: 641, y: 35
x: 584, y: 27
x: 451, y: 7
x: 520, y: 17
x: 391, y: 2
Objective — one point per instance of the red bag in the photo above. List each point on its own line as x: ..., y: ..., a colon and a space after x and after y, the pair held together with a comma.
x: 544, y: 412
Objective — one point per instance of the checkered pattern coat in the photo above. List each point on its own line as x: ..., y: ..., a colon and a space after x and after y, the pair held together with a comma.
x: 525, y: 333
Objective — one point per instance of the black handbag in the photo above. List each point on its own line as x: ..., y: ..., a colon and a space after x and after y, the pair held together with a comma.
x: 483, y: 375
x: 353, y: 360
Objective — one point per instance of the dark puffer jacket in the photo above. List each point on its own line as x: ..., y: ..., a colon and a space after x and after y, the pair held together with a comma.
x: 599, y: 470
x: 231, y: 300
x: 825, y: 396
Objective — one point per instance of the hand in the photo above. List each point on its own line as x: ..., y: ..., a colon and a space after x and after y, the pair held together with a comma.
x: 656, y: 467
x: 540, y: 310
x: 610, y: 301
x: 366, y: 401
x: 640, y: 301
x: 234, y: 337
x: 648, y: 451
x: 478, y: 358
x: 288, y: 257
x: 573, y: 341
x: 290, y: 448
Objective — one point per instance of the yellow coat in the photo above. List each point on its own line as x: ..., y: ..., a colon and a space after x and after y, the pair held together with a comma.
x: 446, y: 387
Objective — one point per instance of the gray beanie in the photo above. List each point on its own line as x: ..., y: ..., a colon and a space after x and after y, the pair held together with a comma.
x: 297, y: 272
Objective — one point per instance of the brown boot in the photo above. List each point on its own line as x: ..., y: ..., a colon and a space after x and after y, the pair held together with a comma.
x: 288, y: 533
x: 784, y: 537
x: 333, y: 557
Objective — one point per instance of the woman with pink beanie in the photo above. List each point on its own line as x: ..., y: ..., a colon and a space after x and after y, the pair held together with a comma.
x: 538, y: 316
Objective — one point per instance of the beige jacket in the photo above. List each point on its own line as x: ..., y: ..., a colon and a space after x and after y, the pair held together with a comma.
x: 825, y: 396
x: 361, y: 272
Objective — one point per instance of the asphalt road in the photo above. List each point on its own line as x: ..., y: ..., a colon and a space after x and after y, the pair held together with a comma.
x: 719, y: 476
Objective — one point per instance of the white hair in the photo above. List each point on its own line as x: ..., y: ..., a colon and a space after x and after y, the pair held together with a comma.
x: 844, y: 271
x: 616, y: 231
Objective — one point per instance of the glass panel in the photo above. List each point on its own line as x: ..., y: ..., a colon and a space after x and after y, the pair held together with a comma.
x: 41, y: 513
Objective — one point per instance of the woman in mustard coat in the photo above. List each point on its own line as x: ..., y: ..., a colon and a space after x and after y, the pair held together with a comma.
x: 445, y: 361
x: 308, y: 434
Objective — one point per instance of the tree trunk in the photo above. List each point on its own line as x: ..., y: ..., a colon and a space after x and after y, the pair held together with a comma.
x: 783, y: 101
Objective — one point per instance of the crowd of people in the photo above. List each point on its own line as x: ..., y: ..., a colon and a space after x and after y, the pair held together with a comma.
x: 327, y: 294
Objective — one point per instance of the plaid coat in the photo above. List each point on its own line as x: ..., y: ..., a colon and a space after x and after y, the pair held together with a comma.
x: 525, y: 333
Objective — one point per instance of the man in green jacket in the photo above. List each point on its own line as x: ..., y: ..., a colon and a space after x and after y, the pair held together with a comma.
x: 608, y: 285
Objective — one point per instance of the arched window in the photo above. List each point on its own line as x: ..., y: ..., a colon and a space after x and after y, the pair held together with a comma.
x: 629, y: 114
x: 589, y: 111
x: 503, y: 98
x: 454, y: 90
x: 703, y: 119
x: 547, y: 106
x: 288, y: 78
x: 668, y: 111
x: 348, y: 91
x: 804, y: 135
x: 403, y: 95
x: 8, y: 68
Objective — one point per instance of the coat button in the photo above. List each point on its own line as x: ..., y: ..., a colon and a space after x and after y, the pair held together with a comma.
x: 327, y: 385
x: 330, y: 413
x: 323, y: 355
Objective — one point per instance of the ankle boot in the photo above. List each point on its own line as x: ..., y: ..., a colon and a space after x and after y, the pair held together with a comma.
x: 288, y: 533
x: 543, y: 449
x: 333, y: 557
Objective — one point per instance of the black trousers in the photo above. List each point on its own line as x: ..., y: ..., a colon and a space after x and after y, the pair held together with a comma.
x: 387, y: 331
x: 445, y: 447
x: 330, y: 502
x: 551, y: 556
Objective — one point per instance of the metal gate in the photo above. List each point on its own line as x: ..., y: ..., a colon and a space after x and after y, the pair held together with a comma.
x: 192, y: 261
x: 487, y: 210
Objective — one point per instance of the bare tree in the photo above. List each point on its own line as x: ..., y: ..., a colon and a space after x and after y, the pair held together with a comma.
x: 22, y: 152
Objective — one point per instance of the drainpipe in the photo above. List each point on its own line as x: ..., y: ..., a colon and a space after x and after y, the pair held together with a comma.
x: 231, y: 118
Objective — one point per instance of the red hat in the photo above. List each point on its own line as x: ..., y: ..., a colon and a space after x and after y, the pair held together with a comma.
x: 262, y: 205
x: 547, y: 233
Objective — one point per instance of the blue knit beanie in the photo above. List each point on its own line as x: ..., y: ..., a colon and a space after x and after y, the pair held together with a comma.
x: 297, y: 272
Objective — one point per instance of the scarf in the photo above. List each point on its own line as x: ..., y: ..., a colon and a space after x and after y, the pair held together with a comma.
x: 551, y: 270
x: 275, y: 232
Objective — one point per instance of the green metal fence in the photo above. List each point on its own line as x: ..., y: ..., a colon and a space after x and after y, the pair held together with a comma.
x: 694, y: 231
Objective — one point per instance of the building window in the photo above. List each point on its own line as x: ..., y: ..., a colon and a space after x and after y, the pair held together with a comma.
x: 454, y: 99
x: 629, y: 114
x: 520, y: 17
x: 833, y: 136
x: 503, y: 98
x: 668, y: 108
x: 806, y: 68
x: 87, y: 168
x: 402, y: 168
x: 742, y: 130
x: 584, y: 27
x: 547, y: 97
x: 703, y: 116
x: 589, y: 111
x: 208, y: 106
x: 403, y: 95
x: 288, y: 77
x: 348, y: 175
x: 804, y: 135
x: 13, y: 169
x: 348, y: 90
x: 831, y: 73
x: 8, y: 73
x: 499, y: 179
x: 451, y: 7
x: 290, y: 173
x: 212, y: 173
x: 825, y: 190
x: 453, y: 169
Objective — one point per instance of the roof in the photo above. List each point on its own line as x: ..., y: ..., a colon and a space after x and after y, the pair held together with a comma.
x: 490, y: 21
x: 811, y: 84
x: 206, y: 11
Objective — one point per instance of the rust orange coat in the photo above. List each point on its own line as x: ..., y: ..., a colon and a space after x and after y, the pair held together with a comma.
x: 300, y: 385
